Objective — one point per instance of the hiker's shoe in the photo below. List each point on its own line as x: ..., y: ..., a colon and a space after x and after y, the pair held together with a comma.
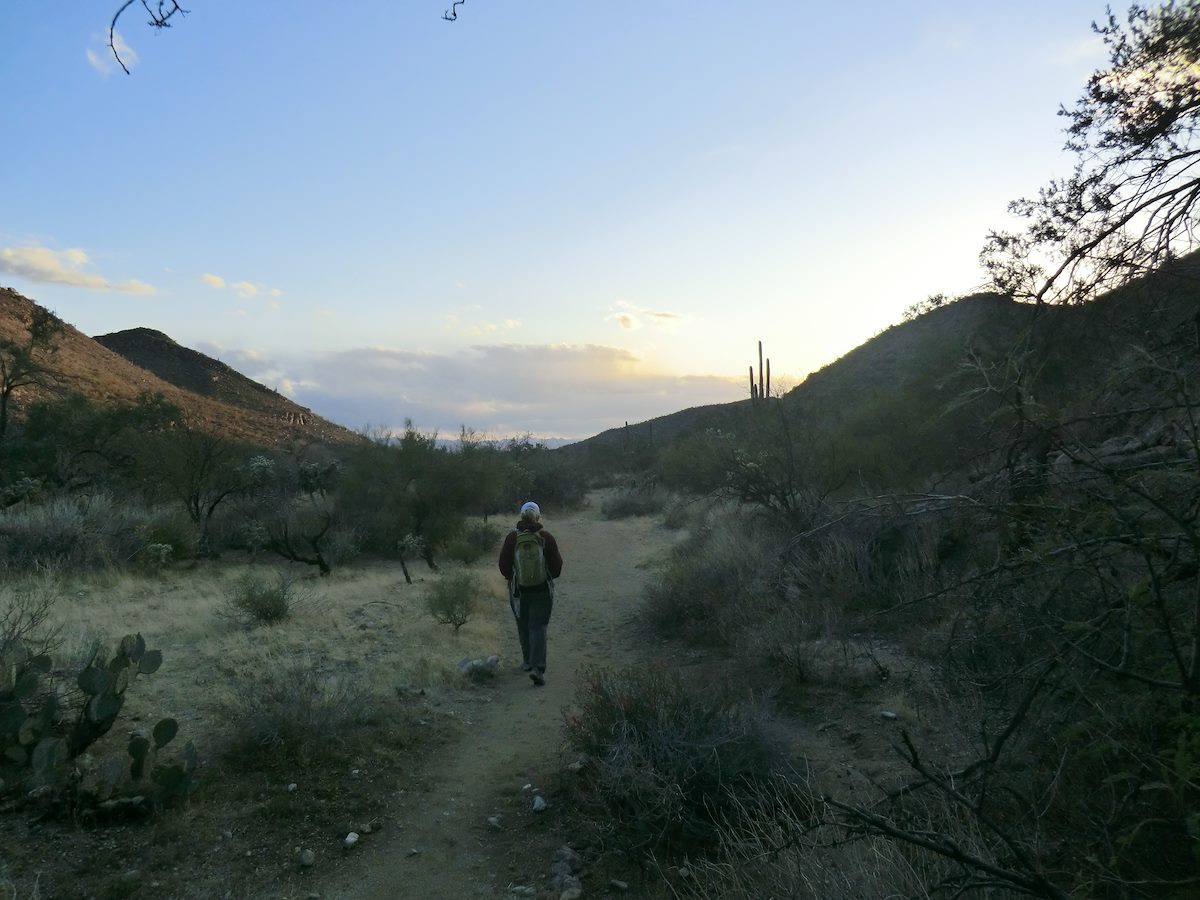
x: 526, y: 667
x: 537, y: 678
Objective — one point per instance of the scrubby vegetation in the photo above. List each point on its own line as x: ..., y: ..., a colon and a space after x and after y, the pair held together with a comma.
x: 664, y: 766
x: 453, y: 599
x: 991, y: 512
x: 255, y: 599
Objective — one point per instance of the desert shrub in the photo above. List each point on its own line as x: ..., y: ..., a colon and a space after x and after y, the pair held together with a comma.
x: 693, y: 463
x: 452, y: 600
x: 170, y: 526
x: 297, y: 710
x: 664, y: 765
x: 781, y: 844
x: 473, y: 541
x: 257, y: 600
x: 25, y: 614
x: 635, y: 501
x: 535, y: 471
x: 343, y: 545
x: 79, y: 533
x: 679, y: 513
x: 712, y: 576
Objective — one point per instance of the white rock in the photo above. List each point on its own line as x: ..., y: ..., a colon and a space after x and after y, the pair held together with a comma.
x: 618, y: 885
x: 291, y: 788
x: 350, y: 840
x: 539, y: 803
x: 413, y: 851
x: 528, y: 787
x: 887, y: 714
x: 494, y: 823
x: 307, y: 857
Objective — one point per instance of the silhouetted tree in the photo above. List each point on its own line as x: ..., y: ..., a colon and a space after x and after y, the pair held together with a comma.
x: 1131, y: 202
x: 25, y: 363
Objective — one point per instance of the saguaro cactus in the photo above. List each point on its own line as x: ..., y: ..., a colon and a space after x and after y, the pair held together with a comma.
x: 762, y: 388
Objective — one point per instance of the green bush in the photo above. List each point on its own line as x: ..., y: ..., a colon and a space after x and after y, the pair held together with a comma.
x: 473, y: 541
x: 664, y: 766
x: 452, y: 600
x: 258, y: 600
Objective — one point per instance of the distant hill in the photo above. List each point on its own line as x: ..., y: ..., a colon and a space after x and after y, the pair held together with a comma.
x: 886, y: 364
x: 120, y: 367
x: 907, y: 404
x: 199, y: 374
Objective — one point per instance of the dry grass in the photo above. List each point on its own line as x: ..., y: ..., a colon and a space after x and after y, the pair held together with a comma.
x: 774, y: 847
x: 384, y: 686
x: 364, y: 621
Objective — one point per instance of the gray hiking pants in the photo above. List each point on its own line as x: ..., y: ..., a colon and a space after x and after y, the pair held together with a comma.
x: 532, y: 608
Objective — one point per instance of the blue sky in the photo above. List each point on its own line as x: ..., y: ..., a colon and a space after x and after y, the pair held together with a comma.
x: 544, y: 217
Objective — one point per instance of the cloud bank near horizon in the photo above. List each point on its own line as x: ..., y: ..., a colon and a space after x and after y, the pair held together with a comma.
x: 500, y: 390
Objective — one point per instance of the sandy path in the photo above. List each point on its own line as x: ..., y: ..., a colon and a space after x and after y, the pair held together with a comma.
x: 513, y: 738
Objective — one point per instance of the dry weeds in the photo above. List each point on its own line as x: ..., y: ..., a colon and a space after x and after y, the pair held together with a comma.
x: 365, y: 626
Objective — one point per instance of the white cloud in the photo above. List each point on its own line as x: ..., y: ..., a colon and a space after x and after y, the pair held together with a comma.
x: 568, y: 390
x: 631, y: 317
x: 246, y: 290
x: 626, y: 321
x: 47, y: 266
x: 100, y: 55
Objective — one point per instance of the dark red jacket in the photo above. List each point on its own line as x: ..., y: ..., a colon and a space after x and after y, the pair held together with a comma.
x: 550, y: 550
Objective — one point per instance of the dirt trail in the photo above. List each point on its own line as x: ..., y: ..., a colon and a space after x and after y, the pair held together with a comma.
x: 511, y: 738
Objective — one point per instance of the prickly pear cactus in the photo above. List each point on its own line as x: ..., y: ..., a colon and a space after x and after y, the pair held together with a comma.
x: 104, y: 685
x: 37, y: 737
x: 27, y: 716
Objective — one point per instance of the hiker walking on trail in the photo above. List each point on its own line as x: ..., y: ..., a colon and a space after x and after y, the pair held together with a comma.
x: 530, y: 560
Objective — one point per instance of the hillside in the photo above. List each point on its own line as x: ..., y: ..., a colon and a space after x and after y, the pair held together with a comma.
x: 895, y: 409
x: 199, y: 374
x: 891, y: 363
x: 118, y: 368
